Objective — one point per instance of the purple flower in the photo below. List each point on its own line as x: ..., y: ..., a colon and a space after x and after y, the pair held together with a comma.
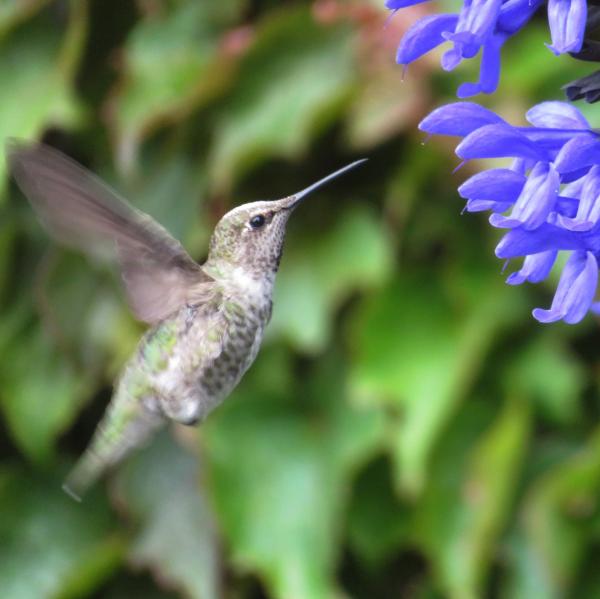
x: 575, y: 292
x: 485, y: 25
x: 567, y: 24
x: 536, y: 267
x: 548, y: 198
x: 535, y: 202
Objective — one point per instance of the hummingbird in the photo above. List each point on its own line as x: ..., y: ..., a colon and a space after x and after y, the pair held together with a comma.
x: 206, y: 321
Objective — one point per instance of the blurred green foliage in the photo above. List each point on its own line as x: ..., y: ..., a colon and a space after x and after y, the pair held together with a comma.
x: 408, y: 429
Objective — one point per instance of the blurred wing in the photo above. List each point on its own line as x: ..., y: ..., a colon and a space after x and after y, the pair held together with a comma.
x: 81, y: 211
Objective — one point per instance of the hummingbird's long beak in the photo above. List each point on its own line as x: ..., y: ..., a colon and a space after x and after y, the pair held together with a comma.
x: 293, y: 200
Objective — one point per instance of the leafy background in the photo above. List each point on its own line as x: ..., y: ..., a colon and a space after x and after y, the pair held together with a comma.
x: 408, y: 429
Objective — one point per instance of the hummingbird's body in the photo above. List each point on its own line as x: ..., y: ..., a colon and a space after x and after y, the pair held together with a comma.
x: 183, y: 368
x: 193, y: 359
x: 207, y: 321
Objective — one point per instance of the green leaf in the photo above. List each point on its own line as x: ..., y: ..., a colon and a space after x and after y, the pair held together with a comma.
x: 36, y: 68
x: 161, y: 487
x: 279, y: 475
x: 49, y: 545
x: 487, y: 493
x: 81, y: 305
x: 291, y: 84
x: 317, y: 275
x: 276, y: 498
x: 13, y: 12
x: 171, y: 188
x: 557, y: 396
x: 7, y: 237
x: 526, y: 575
x: 378, y: 524
x: 531, y: 72
x: 172, y: 66
x: 418, y: 352
x: 40, y: 392
x: 382, y: 108
x: 557, y: 515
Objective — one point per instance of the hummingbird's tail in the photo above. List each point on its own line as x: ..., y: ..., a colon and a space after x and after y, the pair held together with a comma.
x: 126, y: 425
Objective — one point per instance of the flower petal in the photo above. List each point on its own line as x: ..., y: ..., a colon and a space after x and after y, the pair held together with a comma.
x: 553, y: 140
x: 497, y: 184
x: 489, y: 71
x: 476, y: 23
x: 572, y: 176
x: 536, y: 201
x: 522, y: 165
x: 556, y: 115
x: 567, y: 24
x: 423, y: 36
x: 536, y: 267
x: 460, y: 118
x: 514, y: 14
x: 574, y: 189
x: 498, y: 141
x: 451, y: 58
x: 588, y: 212
x: 520, y: 242
x: 564, y: 206
x: 575, y: 292
x: 397, y: 4
x: 576, y: 153
x: 479, y: 17
x: 465, y: 43
x: 482, y: 205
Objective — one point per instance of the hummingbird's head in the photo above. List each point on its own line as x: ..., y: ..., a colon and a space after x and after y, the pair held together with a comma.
x: 251, y: 236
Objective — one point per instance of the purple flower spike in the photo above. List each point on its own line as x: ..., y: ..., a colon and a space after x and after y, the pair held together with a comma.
x: 485, y: 25
x: 552, y: 189
x: 575, y: 292
x: 536, y: 267
x: 548, y: 196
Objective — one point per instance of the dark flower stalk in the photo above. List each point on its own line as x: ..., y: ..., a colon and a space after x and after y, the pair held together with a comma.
x: 588, y: 88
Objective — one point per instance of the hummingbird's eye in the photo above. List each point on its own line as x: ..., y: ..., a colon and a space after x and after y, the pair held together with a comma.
x: 256, y: 222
